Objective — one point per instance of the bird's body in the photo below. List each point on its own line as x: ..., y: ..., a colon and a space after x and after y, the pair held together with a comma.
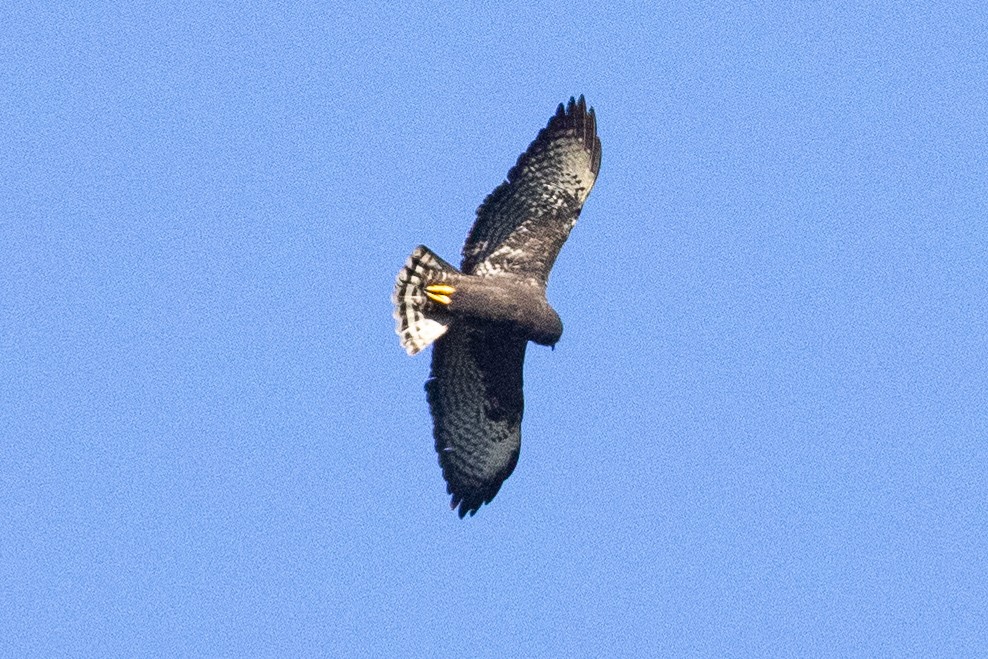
x: 480, y: 317
x: 516, y: 304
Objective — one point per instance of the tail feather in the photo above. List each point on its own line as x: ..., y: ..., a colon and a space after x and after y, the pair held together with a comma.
x: 418, y: 320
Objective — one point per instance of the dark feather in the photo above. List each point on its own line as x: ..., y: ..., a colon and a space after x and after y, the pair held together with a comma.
x: 522, y: 225
x: 475, y: 387
x: 475, y: 395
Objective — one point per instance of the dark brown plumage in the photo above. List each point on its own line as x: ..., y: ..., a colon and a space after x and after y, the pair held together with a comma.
x: 482, y: 316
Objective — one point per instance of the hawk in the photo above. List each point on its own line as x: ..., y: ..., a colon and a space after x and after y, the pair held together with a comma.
x: 481, y: 316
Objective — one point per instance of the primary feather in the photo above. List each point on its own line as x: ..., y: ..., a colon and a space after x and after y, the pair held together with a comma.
x: 497, y: 304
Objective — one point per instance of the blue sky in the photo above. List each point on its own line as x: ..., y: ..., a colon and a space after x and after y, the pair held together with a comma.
x: 763, y: 431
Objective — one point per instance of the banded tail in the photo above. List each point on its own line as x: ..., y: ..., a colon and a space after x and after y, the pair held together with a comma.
x: 420, y: 315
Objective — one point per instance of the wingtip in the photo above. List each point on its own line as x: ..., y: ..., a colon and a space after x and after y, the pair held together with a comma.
x: 578, y: 104
x: 466, y: 510
x: 585, y: 119
x: 464, y: 507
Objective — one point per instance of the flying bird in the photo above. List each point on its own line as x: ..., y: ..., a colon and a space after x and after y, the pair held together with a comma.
x: 480, y: 317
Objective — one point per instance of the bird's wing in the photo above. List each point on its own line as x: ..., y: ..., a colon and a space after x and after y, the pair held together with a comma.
x: 475, y: 395
x: 522, y: 225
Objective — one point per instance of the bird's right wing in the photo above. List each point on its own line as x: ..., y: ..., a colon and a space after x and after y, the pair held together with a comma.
x: 522, y: 225
x: 475, y: 395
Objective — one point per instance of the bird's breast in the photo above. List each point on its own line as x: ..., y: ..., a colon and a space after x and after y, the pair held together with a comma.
x: 518, y: 306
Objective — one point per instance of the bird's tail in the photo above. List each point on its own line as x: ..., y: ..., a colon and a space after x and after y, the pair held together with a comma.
x: 420, y: 314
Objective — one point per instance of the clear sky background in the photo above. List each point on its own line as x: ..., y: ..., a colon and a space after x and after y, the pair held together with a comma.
x: 763, y: 431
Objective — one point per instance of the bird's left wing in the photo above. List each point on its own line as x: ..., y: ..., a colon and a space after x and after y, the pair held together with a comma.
x: 475, y: 395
